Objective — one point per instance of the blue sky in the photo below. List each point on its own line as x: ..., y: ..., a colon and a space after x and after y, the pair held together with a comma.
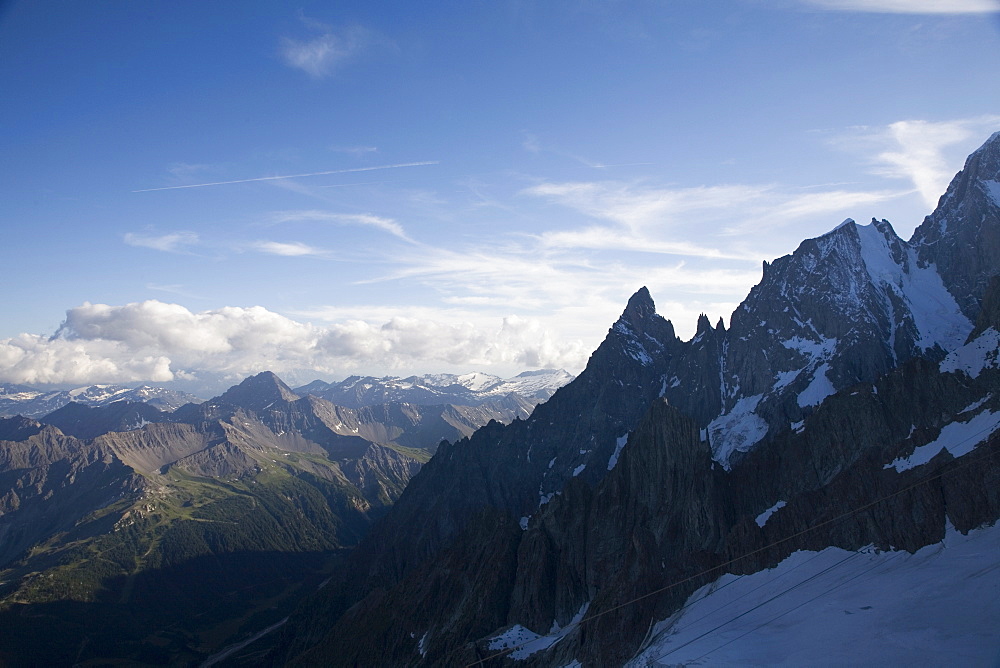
x: 197, y: 190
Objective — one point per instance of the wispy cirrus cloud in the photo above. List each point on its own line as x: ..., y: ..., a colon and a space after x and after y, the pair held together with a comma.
x: 287, y: 177
x: 695, y: 222
x: 321, y: 55
x: 636, y: 206
x: 363, y: 219
x: 288, y: 249
x: 919, y: 151
x: 532, y: 144
x: 175, y: 242
x: 357, y: 151
x: 909, y: 6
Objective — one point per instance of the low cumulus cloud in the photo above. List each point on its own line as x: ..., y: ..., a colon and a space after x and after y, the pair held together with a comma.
x: 160, y: 342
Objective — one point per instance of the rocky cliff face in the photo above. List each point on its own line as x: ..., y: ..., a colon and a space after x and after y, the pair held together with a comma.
x: 847, y: 385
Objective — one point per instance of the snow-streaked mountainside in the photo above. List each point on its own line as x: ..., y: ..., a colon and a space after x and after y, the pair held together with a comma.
x: 852, y: 401
x: 844, y: 308
x: 32, y: 402
x: 470, y: 389
x: 935, y: 607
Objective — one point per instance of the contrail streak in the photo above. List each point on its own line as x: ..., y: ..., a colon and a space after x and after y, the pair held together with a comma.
x: 292, y: 176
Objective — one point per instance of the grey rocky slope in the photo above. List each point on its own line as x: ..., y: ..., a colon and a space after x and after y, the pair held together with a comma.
x: 650, y: 468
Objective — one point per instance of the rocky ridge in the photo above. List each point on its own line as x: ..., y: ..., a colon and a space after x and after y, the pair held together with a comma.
x: 849, y: 363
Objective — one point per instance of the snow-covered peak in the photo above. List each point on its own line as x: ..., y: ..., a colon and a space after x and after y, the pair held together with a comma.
x: 477, y: 381
x: 534, y: 383
x: 844, y: 308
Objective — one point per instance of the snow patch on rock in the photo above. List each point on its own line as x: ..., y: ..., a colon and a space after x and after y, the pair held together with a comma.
x: 619, y: 444
x: 958, y: 438
x: 736, y: 431
x: 526, y: 642
x: 762, y: 519
x: 980, y: 353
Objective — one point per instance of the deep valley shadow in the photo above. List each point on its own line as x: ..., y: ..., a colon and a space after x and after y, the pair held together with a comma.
x: 173, y: 616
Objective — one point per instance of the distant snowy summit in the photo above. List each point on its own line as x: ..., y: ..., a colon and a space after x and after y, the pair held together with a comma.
x: 32, y: 402
x: 468, y: 389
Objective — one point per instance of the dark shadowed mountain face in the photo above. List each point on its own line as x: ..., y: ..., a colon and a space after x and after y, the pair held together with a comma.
x: 852, y: 401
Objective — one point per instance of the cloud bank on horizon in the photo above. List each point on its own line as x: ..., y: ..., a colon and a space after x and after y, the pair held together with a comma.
x: 579, y: 152
x: 163, y: 342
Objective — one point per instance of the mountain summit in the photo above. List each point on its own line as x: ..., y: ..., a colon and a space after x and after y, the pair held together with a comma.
x: 962, y: 237
x: 258, y: 392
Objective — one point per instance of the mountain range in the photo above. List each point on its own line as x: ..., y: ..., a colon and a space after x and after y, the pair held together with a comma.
x: 853, y: 403
x: 143, y: 534
x: 471, y: 389
x: 33, y: 402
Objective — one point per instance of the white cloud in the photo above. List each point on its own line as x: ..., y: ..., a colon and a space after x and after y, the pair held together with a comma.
x: 170, y: 243
x: 321, y: 55
x: 29, y: 358
x: 288, y: 249
x: 910, y: 6
x: 157, y: 341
